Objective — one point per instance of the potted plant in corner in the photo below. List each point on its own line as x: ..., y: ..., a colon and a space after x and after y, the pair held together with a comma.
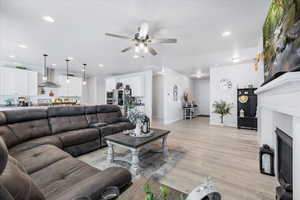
x: 222, y: 108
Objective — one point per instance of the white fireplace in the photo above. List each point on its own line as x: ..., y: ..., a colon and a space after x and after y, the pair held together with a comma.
x: 279, y: 107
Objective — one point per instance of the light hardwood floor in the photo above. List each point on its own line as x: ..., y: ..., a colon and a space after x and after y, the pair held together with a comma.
x: 228, y: 155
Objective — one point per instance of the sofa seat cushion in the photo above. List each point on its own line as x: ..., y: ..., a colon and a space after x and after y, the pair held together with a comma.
x: 115, y: 128
x: 107, y: 130
x: 77, y: 150
x: 121, y: 126
x: 61, y: 176
x: 40, y: 157
x: 93, y: 186
x: 80, y: 136
x: 53, y: 140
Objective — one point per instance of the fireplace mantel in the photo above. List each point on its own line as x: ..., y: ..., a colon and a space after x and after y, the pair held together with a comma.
x: 279, y: 107
x: 282, y: 94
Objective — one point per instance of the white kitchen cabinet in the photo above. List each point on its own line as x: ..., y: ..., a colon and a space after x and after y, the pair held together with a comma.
x: 71, y: 89
x: 32, y: 83
x: 21, y: 82
x: 2, y: 75
x: 8, y: 82
x: 17, y: 82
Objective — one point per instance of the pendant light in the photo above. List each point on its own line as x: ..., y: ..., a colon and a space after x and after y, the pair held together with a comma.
x: 45, y: 67
x: 84, y: 78
x: 67, y: 60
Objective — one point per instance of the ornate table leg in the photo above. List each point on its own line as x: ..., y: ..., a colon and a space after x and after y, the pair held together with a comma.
x: 135, y: 161
x: 110, y: 152
x: 165, y: 145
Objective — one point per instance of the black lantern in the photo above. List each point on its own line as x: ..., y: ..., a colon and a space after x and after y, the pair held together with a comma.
x: 266, y: 160
x: 146, y: 125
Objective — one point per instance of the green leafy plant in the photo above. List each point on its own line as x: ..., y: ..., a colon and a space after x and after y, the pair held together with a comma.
x: 222, y: 108
x: 163, y: 195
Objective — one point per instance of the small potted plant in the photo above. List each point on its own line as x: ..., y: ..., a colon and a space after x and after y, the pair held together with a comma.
x: 222, y: 108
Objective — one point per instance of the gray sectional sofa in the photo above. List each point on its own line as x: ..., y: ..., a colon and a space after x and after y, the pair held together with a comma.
x: 37, y: 148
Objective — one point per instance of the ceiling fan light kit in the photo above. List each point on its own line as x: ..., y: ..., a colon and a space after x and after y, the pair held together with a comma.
x: 142, y: 40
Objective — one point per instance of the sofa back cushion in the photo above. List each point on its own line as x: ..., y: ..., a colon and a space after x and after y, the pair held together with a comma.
x: 23, y: 125
x: 15, y: 183
x: 22, y: 115
x: 30, y: 130
x: 67, y: 118
x: 109, y: 113
x: 8, y: 136
x: 91, y: 114
x: 2, y: 118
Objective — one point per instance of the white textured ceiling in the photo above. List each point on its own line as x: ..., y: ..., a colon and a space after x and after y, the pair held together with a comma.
x: 80, y: 26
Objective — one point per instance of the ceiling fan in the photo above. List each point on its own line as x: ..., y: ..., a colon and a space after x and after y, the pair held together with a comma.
x: 142, y: 41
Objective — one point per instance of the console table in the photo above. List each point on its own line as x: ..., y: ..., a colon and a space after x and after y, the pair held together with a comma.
x: 189, y: 112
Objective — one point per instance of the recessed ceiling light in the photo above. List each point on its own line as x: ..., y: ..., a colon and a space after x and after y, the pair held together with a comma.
x: 236, y: 59
x: 48, y: 19
x: 101, y: 65
x: 135, y: 56
x: 22, y: 46
x: 53, y: 64
x: 226, y: 34
x: 12, y: 56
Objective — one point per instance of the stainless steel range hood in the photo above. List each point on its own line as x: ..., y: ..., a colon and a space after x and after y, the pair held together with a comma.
x: 49, y: 83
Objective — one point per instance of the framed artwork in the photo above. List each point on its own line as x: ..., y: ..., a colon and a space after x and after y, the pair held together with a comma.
x: 175, y: 93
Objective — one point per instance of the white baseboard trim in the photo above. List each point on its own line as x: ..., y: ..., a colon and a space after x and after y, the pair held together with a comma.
x: 219, y: 124
x: 172, y: 121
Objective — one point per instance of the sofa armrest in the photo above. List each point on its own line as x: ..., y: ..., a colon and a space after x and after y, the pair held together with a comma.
x: 97, y: 125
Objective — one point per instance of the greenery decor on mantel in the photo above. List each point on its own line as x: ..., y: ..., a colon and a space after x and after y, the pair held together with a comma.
x: 222, y: 108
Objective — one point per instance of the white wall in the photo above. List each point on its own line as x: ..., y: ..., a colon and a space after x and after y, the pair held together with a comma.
x: 241, y: 76
x: 201, y: 92
x: 94, y: 91
x: 92, y: 98
x: 158, y: 97
x: 169, y: 110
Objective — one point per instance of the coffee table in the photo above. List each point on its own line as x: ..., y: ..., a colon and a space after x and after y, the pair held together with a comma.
x: 135, y: 144
x: 135, y: 191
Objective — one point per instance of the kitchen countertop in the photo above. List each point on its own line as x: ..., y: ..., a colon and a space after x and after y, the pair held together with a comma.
x: 4, y: 108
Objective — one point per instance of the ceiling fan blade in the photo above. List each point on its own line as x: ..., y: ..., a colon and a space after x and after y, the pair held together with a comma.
x: 163, y: 40
x: 118, y: 36
x: 152, y: 51
x: 144, y: 29
x: 126, y: 49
